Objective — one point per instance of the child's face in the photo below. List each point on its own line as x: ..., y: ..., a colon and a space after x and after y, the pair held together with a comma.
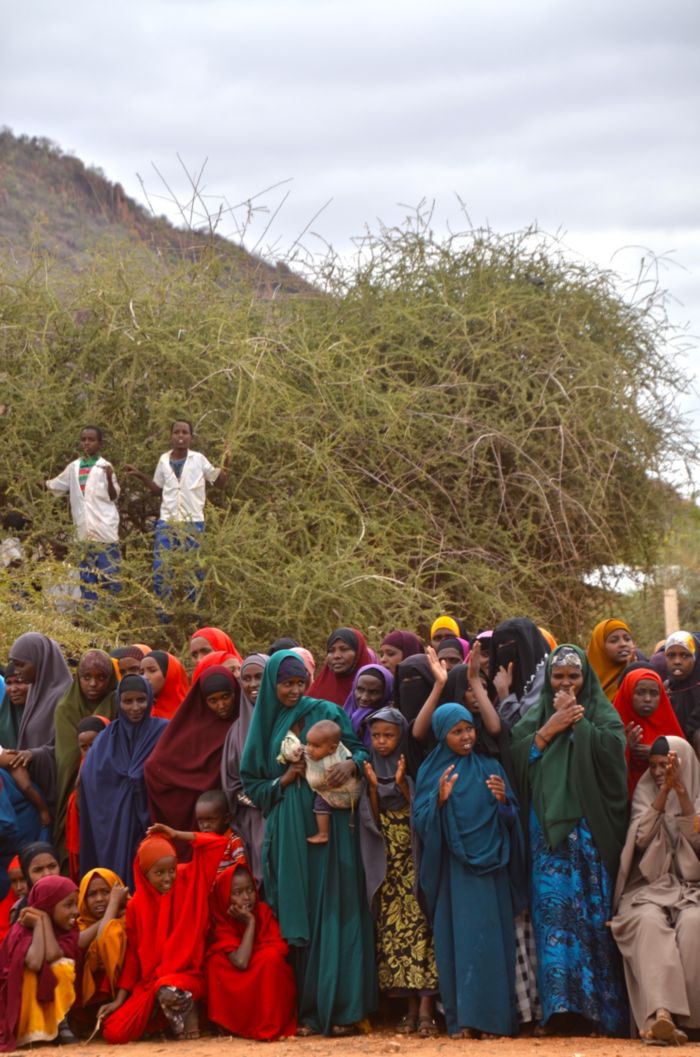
x: 460, y: 739
x: 317, y: 747
x: 619, y: 645
x: 211, y: 818
x: 162, y: 874
x: 17, y: 883
x: 222, y: 703
x: 93, y: 682
x: 85, y: 740
x: 97, y: 896
x: 646, y: 697
x: 129, y: 666
x: 65, y: 913
x: 42, y: 865
x: 251, y: 679
x: 150, y: 670
x: 181, y: 436
x: 89, y: 442
x: 134, y: 704
x: 17, y: 690
x: 385, y: 737
x: 680, y: 662
x: 243, y: 895
x: 390, y: 657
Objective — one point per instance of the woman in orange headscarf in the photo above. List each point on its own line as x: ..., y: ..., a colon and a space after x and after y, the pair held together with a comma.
x: 609, y: 652
x: 168, y: 680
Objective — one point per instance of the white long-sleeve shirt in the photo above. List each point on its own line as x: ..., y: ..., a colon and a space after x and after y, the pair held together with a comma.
x: 184, y: 497
x: 95, y: 515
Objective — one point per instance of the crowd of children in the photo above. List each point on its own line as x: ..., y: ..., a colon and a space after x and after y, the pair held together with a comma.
x: 493, y: 832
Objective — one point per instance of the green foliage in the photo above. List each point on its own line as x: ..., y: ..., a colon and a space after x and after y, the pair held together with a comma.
x: 467, y: 425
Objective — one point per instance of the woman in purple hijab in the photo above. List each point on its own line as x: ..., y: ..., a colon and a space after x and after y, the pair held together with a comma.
x: 372, y: 689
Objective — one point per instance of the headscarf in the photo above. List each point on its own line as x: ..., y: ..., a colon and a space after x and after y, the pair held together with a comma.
x: 209, y: 660
x: 411, y: 695
x: 283, y: 643
x: 390, y: 796
x: 113, y: 806
x: 681, y: 638
x: 175, y: 687
x: 307, y: 657
x: 662, y: 721
x: 405, y: 641
x: 445, y: 622
x: 518, y: 640
x: 685, y: 693
x: 29, y: 852
x: 548, y: 638
x: 606, y: 670
x: 218, y: 640
x: 126, y: 651
x: 359, y: 716
x: 581, y: 774
x: 52, y: 680
x: 106, y: 952
x: 497, y: 746
x: 73, y: 707
x: 187, y: 759
x: 331, y: 687
x: 46, y: 893
x: 10, y: 715
x: 454, y: 643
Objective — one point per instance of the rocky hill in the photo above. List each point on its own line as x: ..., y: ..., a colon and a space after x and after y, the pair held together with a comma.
x: 52, y: 201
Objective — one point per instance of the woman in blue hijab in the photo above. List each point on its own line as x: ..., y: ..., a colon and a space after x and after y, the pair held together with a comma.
x: 472, y: 875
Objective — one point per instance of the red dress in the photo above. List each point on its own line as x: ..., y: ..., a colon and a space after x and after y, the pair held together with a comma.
x: 258, y: 1002
x: 165, y: 939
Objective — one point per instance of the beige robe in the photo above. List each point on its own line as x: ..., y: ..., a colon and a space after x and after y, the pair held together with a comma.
x: 657, y: 900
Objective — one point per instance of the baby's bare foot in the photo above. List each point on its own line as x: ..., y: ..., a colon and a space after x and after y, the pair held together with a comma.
x: 318, y: 838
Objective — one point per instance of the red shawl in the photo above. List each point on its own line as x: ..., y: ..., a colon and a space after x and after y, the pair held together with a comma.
x: 662, y: 721
x: 218, y: 639
x: 165, y: 938
x: 44, y: 895
x: 331, y: 687
x: 187, y: 759
x: 174, y: 688
x: 208, y: 661
x: 257, y: 1002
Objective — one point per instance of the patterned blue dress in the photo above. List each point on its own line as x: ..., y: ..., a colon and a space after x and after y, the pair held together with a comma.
x: 579, y: 969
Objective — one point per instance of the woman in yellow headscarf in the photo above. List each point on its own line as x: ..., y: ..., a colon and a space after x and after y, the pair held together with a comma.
x: 102, y: 899
x: 444, y: 627
x: 609, y: 652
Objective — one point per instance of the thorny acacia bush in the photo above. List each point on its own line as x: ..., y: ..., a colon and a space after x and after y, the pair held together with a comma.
x: 466, y: 425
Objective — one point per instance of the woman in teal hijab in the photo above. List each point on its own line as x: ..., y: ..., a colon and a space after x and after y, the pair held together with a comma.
x: 471, y: 874
x: 316, y: 890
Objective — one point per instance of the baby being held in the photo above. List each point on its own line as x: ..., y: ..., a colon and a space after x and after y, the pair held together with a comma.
x: 323, y: 750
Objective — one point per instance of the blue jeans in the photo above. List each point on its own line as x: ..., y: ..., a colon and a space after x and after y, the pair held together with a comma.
x: 173, y: 536
x: 99, y: 568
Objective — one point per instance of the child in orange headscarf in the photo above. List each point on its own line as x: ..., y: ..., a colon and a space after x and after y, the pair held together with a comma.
x: 609, y: 652
x: 102, y: 900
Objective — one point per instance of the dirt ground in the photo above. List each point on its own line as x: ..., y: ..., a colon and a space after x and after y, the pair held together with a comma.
x: 381, y: 1043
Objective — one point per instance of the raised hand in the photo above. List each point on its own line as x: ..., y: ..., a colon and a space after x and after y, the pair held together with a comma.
x: 400, y: 770
x: 503, y: 681
x: 437, y: 668
x: 447, y: 782
x: 495, y: 783
x: 371, y: 776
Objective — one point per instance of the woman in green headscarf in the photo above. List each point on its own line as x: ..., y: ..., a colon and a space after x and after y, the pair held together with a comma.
x: 91, y: 694
x: 316, y: 890
x: 569, y: 759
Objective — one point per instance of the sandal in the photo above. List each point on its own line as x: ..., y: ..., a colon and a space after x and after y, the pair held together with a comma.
x: 427, y: 1028
x: 342, y: 1031
x: 407, y: 1025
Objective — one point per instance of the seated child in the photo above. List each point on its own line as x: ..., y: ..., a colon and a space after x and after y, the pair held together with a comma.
x: 87, y: 730
x: 102, y: 900
x: 250, y: 985
x: 166, y: 924
x: 213, y: 816
x: 18, y: 888
x: 37, y: 966
x: 323, y: 750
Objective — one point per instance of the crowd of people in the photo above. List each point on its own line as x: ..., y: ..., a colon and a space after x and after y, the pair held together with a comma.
x: 492, y: 833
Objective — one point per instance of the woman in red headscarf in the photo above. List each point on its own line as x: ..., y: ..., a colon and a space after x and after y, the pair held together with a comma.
x: 647, y: 713
x: 207, y: 640
x: 168, y: 680
x: 346, y: 653
x: 250, y: 985
x: 166, y: 925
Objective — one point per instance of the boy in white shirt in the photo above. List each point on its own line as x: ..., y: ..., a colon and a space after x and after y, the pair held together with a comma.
x: 91, y: 485
x: 180, y: 480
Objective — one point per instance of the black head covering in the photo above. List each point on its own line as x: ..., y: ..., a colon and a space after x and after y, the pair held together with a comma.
x: 518, y: 640
x: 134, y: 682
x: 161, y: 659
x: 660, y: 747
x: 450, y: 644
x: 29, y: 852
x: 215, y: 682
x: 285, y: 643
x: 413, y: 682
x: 347, y: 635
x: 89, y: 723
x: 127, y: 651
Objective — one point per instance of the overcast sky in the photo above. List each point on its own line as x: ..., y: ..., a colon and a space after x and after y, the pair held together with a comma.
x: 579, y: 115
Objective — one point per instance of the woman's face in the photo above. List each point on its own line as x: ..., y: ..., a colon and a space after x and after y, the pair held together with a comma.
x: 97, y: 896
x: 369, y: 691
x: 65, y: 913
x: 222, y: 703
x: 566, y: 677
x: 17, y: 690
x: 461, y: 738
x: 440, y: 634
x: 251, y: 679
x: 646, y: 697
x: 162, y: 874
x: 289, y: 691
x: 129, y: 666
x: 390, y: 657
x: 199, y: 647
x: 150, y: 670
x: 657, y: 769
x: 618, y: 646
x: 134, y: 704
x: 449, y: 658
x: 385, y: 737
x: 42, y: 865
x: 340, y: 657
x: 25, y: 670
x: 680, y: 662
x: 93, y: 681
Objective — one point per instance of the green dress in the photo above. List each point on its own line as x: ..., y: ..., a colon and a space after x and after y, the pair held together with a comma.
x: 316, y: 890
